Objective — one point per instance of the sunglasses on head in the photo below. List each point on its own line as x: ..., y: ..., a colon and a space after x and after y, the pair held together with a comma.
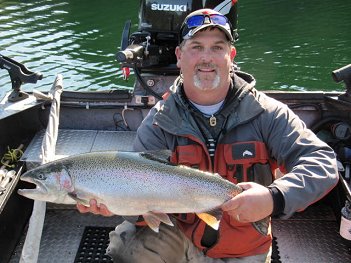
x: 198, y: 20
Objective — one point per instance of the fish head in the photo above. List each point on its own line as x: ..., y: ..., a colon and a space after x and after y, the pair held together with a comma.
x: 53, y: 183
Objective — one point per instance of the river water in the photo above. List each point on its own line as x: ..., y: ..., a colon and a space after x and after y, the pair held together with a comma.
x: 286, y: 45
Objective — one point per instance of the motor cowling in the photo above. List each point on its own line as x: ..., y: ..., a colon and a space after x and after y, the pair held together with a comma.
x: 167, y: 15
x: 153, y: 45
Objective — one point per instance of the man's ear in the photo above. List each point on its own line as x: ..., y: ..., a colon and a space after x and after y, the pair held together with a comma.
x: 233, y: 53
x: 178, y: 54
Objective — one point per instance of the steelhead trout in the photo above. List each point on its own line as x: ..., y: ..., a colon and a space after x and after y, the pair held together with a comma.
x: 133, y: 184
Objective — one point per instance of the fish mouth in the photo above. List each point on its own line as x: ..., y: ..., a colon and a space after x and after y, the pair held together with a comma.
x: 32, y: 193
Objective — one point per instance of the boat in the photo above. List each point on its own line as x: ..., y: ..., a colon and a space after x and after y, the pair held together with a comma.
x: 108, y: 120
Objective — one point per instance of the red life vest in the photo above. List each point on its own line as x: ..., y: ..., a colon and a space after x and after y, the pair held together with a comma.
x: 237, y: 162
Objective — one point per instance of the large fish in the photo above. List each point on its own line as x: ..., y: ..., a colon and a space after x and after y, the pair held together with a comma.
x: 131, y: 184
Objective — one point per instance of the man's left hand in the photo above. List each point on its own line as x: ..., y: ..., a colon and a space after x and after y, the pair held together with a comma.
x: 253, y: 204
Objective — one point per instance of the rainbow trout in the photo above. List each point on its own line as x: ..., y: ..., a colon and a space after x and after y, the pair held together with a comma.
x: 132, y: 184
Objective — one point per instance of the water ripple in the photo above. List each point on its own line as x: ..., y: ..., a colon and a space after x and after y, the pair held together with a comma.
x: 285, y: 45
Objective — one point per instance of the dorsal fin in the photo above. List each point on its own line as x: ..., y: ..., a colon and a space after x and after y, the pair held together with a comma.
x: 161, y: 156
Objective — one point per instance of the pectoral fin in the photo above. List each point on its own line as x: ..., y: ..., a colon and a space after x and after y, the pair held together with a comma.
x: 153, y: 220
x: 79, y: 200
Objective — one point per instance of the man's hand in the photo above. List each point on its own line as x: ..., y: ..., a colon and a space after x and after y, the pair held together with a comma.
x: 94, y: 208
x: 253, y: 204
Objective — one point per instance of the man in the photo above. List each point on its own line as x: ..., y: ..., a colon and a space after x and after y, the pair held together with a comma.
x: 215, y: 120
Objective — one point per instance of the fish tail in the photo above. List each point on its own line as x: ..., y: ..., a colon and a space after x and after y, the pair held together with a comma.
x: 211, y: 218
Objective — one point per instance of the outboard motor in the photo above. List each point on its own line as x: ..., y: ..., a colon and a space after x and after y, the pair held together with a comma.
x: 151, y: 50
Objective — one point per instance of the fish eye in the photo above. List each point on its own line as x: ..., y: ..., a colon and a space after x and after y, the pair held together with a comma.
x: 41, y: 176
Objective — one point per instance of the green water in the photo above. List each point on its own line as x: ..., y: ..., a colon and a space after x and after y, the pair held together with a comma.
x: 286, y: 45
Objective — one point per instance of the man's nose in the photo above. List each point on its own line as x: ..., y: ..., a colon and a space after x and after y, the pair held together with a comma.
x: 207, y: 55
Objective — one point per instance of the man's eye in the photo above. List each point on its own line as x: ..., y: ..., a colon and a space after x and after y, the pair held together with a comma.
x: 217, y: 48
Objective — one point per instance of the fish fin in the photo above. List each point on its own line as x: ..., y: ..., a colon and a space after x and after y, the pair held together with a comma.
x: 262, y: 226
x: 210, y: 219
x: 164, y: 218
x: 75, y: 197
x: 161, y: 156
x: 153, y: 220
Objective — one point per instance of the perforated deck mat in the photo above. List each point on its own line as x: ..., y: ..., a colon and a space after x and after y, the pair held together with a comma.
x: 92, y: 247
x: 95, y: 240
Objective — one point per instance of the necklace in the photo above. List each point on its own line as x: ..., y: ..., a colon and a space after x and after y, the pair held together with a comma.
x: 213, y: 121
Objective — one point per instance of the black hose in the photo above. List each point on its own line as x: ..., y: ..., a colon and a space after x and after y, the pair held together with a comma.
x: 144, y: 85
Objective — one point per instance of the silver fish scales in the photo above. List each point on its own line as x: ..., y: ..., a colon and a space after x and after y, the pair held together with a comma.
x: 131, y: 184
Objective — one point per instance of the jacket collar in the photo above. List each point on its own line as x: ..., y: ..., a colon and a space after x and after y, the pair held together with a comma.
x: 175, y: 113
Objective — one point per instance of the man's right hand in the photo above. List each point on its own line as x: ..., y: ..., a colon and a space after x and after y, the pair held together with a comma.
x: 94, y: 208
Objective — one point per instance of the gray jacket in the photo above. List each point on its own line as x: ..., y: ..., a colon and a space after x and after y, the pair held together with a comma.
x: 251, y: 116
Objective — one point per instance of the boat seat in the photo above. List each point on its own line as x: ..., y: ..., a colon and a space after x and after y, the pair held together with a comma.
x: 72, y: 142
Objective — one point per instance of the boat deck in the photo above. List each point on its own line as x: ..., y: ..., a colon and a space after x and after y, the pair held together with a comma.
x: 309, y: 236
x: 71, y: 142
x: 63, y: 233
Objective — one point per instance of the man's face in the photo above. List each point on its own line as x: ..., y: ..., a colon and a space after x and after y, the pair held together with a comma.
x: 205, y: 60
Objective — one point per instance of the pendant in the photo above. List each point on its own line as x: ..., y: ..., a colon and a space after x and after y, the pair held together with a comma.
x: 213, y: 121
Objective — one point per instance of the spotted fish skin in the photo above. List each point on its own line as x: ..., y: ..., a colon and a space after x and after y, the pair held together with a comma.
x: 129, y: 184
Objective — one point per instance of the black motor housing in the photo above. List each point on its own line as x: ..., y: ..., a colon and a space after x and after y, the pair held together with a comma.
x: 166, y: 16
